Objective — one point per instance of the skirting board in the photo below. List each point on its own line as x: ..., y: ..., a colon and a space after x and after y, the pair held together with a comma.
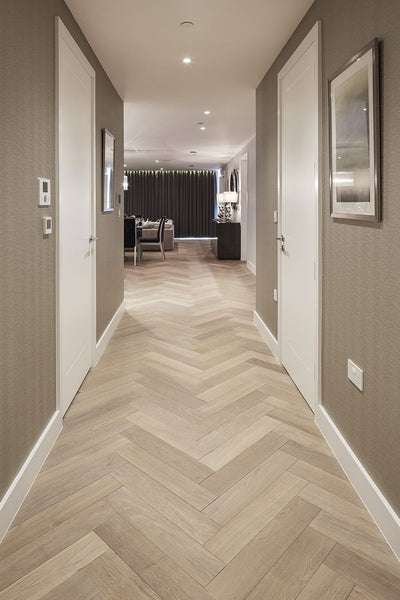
x: 108, y: 333
x: 379, y: 508
x: 266, y: 335
x: 251, y: 267
x: 16, y: 493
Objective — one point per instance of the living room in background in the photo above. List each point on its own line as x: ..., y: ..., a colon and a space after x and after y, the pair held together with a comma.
x: 186, y: 197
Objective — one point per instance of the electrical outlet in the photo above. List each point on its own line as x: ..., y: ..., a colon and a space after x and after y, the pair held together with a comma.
x: 275, y: 295
x: 355, y: 374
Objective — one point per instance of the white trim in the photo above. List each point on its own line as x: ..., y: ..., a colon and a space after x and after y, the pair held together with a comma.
x: 18, y: 490
x: 266, y: 335
x: 251, y: 267
x: 244, y: 214
x: 313, y: 38
x: 375, y: 502
x: 62, y: 33
x: 108, y: 333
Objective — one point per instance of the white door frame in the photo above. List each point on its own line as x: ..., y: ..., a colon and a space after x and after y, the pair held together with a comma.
x: 62, y: 33
x: 313, y: 38
x: 243, y: 164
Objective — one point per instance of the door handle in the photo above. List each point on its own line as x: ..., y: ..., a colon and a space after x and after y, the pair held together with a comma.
x: 93, y: 238
x: 281, y: 239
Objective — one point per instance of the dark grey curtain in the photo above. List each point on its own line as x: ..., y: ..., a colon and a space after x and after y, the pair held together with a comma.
x: 187, y: 197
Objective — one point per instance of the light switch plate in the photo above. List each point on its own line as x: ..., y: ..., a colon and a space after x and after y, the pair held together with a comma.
x: 355, y: 374
x: 44, y: 192
x: 47, y: 225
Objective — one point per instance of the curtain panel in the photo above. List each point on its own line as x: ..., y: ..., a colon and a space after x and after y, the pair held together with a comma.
x: 187, y: 197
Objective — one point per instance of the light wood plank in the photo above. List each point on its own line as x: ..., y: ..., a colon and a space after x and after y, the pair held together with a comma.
x: 175, y: 458
x: 364, y: 573
x: 327, y: 585
x: 182, y: 486
x: 359, y: 535
x: 117, y: 581
x: 50, y: 518
x: 290, y: 574
x: 222, y: 434
x: 317, y: 459
x: 228, y: 504
x: 186, y: 552
x: 238, y: 443
x: 359, y: 594
x: 237, y: 468
x: 249, y: 566
x: 193, y: 522
x: 327, y: 481
x: 77, y: 587
x: 131, y: 546
x: 255, y: 516
x: 172, y: 583
x: 56, y: 570
x: 40, y: 549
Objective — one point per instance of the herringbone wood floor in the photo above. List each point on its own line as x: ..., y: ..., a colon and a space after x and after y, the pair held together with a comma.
x: 189, y: 467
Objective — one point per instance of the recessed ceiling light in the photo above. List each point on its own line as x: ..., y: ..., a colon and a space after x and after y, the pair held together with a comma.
x: 157, y: 161
x: 187, y: 60
x: 161, y: 168
x: 193, y: 151
x: 125, y: 165
x: 202, y: 128
x: 187, y: 24
x: 206, y: 112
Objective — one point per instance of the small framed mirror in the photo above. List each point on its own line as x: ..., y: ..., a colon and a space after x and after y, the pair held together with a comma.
x: 108, y: 171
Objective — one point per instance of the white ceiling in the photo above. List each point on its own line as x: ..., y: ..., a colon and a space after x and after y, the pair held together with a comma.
x: 141, y: 44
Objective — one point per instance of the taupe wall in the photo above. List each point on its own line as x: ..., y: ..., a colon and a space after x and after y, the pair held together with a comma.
x: 27, y: 265
x: 361, y: 275
x: 234, y: 163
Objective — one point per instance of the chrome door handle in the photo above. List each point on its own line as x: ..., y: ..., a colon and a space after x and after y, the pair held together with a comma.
x: 93, y: 239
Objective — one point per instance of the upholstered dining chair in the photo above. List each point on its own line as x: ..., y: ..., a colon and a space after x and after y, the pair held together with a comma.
x: 130, y: 236
x: 159, y: 239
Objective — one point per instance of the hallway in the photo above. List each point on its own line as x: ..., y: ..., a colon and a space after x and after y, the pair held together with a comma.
x: 189, y: 466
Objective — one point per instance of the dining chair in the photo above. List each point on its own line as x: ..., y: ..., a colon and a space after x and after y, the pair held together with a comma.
x: 130, y: 236
x: 158, y: 239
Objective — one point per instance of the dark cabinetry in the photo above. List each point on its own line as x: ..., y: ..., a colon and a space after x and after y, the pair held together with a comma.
x: 227, y: 243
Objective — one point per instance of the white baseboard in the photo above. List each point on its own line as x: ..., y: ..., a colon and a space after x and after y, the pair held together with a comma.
x: 373, y: 499
x: 267, y: 336
x: 251, y: 267
x: 108, y: 333
x: 16, y: 493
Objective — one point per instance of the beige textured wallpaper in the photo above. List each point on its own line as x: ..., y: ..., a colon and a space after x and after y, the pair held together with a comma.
x: 27, y: 265
x: 361, y: 275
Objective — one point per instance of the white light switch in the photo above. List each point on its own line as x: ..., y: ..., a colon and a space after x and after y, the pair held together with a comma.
x: 47, y: 225
x: 44, y: 192
x: 275, y: 295
x: 355, y: 374
x: 275, y: 216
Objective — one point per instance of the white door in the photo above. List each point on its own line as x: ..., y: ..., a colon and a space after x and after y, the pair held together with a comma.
x: 298, y: 247
x: 75, y: 219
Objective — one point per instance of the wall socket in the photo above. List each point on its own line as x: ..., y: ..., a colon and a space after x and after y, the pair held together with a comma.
x: 275, y: 295
x: 355, y: 374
